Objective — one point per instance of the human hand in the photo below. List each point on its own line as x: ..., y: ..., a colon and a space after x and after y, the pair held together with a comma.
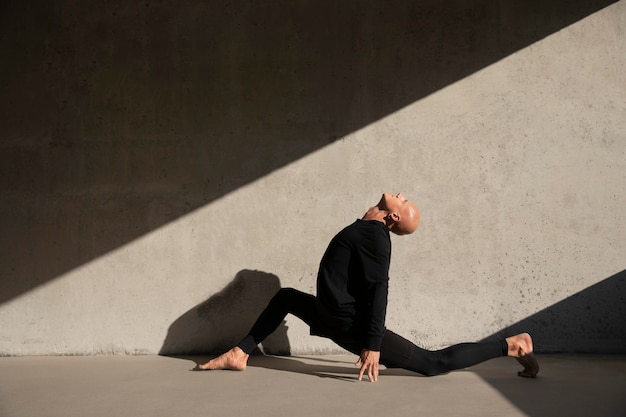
x: 369, y: 360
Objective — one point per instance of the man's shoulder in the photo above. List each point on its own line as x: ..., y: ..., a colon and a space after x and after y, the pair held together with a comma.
x: 370, y: 225
x: 367, y: 232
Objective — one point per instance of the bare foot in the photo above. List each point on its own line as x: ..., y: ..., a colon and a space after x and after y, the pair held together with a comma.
x: 521, y: 348
x: 235, y: 360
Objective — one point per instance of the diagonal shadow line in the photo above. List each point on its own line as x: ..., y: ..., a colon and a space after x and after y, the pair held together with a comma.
x: 120, y: 118
x: 590, y: 321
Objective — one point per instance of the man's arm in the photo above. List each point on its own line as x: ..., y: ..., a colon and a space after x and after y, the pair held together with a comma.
x: 376, y: 275
x: 377, y: 313
x: 375, y: 264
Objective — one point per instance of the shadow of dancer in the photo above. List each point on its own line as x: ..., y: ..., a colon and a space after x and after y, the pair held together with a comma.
x: 219, y: 322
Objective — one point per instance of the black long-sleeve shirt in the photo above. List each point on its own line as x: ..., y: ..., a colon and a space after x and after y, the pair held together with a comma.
x: 352, y: 284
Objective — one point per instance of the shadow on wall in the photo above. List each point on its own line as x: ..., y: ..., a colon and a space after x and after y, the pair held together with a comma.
x: 121, y: 117
x: 590, y: 321
x: 219, y: 323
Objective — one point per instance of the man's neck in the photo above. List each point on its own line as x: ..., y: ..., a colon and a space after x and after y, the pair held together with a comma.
x: 374, y: 213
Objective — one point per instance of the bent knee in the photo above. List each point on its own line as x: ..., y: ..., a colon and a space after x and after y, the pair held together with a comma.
x: 286, y: 293
x: 291, y: 297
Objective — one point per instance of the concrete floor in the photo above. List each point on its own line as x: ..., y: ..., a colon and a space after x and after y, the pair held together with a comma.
x: 320, y: 386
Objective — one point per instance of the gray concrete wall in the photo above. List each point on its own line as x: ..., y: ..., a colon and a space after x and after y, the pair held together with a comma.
x: 162, y: 162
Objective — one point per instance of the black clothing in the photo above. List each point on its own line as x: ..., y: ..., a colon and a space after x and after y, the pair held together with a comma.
x: 395, y: 351
x: 286, y: 300
x: 351, y: 303
x: 352, y: 284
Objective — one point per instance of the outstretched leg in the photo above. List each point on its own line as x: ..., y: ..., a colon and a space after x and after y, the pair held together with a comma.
x: 397, y: 352
x: 286, y: 300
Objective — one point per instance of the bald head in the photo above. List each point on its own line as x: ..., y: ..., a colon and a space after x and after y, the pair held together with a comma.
x: 399, y: 214
x: 409, y: 218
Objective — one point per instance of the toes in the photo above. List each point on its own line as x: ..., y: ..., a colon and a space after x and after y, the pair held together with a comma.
x: 525, y: 374
x: 531, y: 367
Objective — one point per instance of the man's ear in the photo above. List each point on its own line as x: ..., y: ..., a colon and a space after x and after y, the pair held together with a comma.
x: 395, y: 217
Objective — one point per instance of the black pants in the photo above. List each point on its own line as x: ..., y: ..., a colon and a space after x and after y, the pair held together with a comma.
x: 395, y: 351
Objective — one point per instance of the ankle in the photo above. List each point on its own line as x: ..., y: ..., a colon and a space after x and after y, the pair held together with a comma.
x: 239, y: 353
x: 520, y: 344
x: 513, y: 346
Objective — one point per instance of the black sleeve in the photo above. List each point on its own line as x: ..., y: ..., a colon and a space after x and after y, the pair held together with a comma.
x: 375, y: 262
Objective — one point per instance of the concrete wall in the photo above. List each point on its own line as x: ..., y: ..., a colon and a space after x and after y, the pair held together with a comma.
x: 166, y: 166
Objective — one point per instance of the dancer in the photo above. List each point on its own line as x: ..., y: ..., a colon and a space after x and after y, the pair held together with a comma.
x: 351, y: 303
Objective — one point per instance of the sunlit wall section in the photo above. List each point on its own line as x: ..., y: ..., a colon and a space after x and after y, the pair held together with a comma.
x: 519, y: 170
